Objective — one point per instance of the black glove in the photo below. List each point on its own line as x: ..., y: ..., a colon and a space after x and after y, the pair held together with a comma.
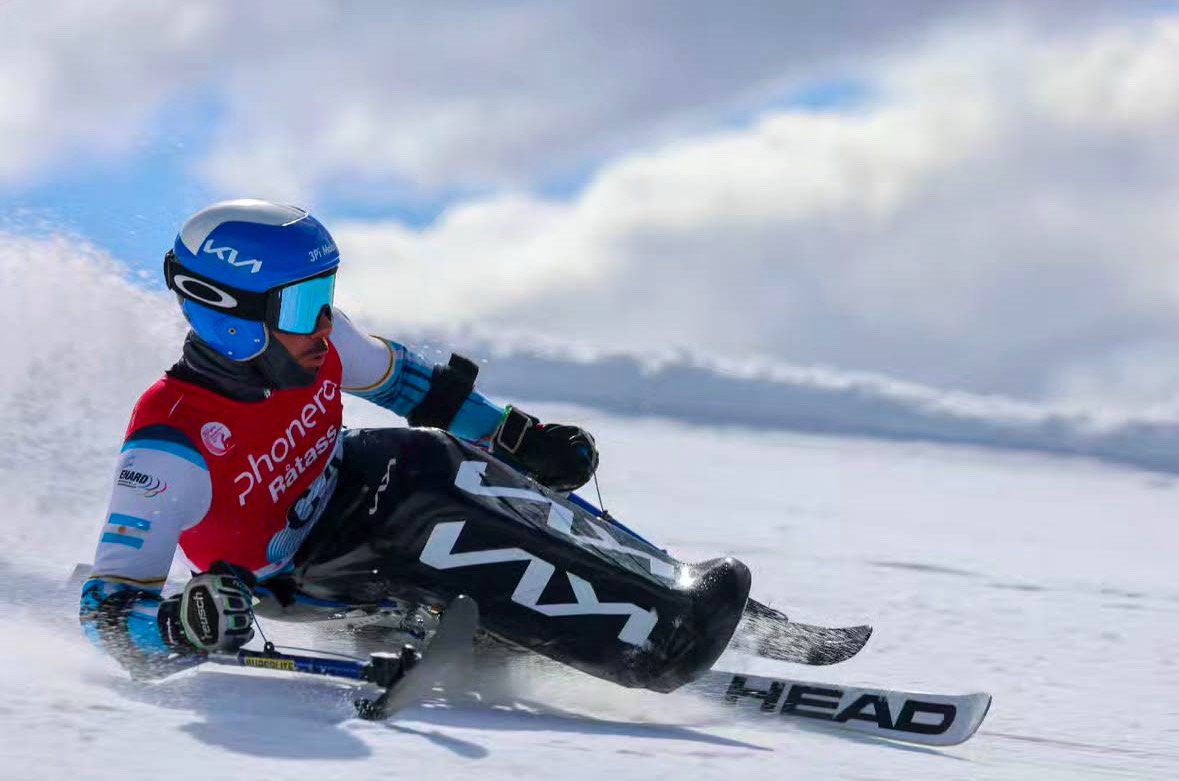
x: 213, y: 614
x: 558, y: 456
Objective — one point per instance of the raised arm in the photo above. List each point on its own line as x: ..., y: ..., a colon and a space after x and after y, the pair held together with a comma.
x: 384, y: 372
x: 389, y: 375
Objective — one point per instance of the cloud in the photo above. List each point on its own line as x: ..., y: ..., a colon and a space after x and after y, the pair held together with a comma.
x: 1120, y: 81
x: 999, y: 215
x: 1001, y: 219
x: 475, y: 95
x: 79, y: 78
x: 445, y: 97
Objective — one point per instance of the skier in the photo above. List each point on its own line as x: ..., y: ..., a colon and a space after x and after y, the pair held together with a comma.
x: 238, y: 457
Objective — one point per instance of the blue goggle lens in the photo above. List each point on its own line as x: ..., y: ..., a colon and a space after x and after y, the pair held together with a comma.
x: 300, y: 305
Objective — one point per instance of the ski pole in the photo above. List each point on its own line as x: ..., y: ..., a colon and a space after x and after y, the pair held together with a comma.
x: 271, y: 659
x: 392, y: 672
x: 382, y: 669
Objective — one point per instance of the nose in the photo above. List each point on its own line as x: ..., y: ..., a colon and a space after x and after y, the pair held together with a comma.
x: 323, y: 326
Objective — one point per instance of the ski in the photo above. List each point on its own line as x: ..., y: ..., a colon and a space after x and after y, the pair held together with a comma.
x: 911, y: 717
x: 451, y: 644
x: 410, y: 676
x: 769, y: 633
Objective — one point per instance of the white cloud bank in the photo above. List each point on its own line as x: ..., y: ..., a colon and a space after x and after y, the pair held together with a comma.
x: 92, y: 340
x: 1001, y: 217
x: 1004, y: 217
x: 450, y: 95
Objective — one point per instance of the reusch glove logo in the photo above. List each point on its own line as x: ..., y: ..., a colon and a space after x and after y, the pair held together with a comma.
x: 197, y: 617
x: 215, y: 609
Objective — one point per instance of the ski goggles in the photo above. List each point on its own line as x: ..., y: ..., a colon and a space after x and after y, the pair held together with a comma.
x: 294, y: 308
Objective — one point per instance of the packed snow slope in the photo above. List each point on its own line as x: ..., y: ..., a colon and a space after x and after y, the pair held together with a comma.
x: 1045, y: 580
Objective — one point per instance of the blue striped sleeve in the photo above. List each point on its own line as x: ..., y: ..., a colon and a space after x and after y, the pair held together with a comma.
x: 477, y: 419
x: 407, y: 384
x: 121, y: 617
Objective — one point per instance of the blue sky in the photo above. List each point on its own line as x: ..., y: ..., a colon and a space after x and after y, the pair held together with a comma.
x: 132, y: 204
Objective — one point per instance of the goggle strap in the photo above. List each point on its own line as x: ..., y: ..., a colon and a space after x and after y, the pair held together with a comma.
x: 193, y: 286
x: 246, y: 304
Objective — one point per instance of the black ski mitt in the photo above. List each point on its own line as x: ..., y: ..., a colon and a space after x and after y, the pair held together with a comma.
x: 559, y: 456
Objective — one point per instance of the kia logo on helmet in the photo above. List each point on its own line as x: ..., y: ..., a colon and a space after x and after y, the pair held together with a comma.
x: 229, y: 255
x: 199, y: 290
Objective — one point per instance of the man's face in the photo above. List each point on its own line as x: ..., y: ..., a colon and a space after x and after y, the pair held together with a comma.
x: 308, y: 350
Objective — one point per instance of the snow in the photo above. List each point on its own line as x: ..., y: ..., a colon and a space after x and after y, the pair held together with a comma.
x: 765, y: 394
x: 1045, y: 580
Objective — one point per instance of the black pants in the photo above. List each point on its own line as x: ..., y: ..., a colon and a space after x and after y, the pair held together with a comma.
x: 420, y: 515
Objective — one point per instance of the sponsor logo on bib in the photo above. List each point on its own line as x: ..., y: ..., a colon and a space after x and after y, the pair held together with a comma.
x: 216, y: 437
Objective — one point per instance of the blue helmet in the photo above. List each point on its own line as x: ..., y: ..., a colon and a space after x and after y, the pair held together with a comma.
x: 243, y: 267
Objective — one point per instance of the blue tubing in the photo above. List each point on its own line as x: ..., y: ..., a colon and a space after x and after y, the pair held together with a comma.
x: 610, y: 519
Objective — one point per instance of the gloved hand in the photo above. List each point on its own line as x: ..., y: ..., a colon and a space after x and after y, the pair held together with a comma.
x: 559, y: 456
x: 213, y: 614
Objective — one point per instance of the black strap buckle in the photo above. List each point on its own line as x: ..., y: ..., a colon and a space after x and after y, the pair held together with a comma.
x: 511, y: 432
